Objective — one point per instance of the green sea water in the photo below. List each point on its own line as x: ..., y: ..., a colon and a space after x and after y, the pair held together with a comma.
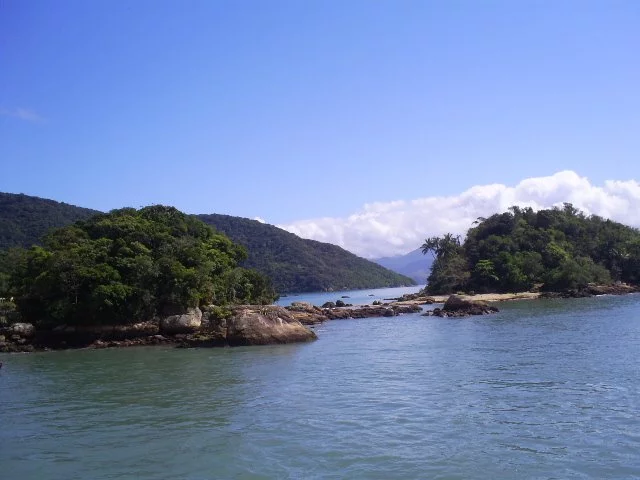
x: 543, y: 389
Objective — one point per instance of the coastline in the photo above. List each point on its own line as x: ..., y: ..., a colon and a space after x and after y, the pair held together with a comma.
x: 258, y: 324
x: 589, y: 291
x: 481, y: 297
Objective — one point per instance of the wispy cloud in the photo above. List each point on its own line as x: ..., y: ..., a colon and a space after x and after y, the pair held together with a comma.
x: 22, y: 114
x: 383, y: 229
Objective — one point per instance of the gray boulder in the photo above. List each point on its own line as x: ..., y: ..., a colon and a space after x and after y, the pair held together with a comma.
x: 265, y: 325
x: 188, y: 322
x: 24, y: 330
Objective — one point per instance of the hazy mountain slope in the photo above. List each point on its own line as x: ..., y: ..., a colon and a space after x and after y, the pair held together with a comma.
x: 299, y: 265
x: 414, y: 264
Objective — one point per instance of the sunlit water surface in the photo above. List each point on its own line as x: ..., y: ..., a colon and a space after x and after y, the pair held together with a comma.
x: 544, y: 389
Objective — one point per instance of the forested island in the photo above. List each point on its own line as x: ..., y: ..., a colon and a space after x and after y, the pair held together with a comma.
x: 145, y: 276
x: 130, y: 265
x: 553, y: 250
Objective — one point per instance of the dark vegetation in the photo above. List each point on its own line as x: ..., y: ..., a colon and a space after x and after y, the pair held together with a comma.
x: 24, y: 219
x: 555, y: 250
x: 128, y: 266
x: 292, y: 263
x: 298, y: 265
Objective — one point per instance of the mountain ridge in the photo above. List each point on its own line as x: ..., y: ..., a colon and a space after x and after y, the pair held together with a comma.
x: 326, y: 266
x: 294, y: 264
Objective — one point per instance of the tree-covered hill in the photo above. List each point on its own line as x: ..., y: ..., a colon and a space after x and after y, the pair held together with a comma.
x: 24, y: 219
x: 299, y: 265
x: 294, y: 264
x: 557, y: 250
x: 129, y: 266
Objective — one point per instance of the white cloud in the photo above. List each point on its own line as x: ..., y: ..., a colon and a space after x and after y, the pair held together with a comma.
x: 22, y: 114
x: 393, y: 228
x: 259, y: 219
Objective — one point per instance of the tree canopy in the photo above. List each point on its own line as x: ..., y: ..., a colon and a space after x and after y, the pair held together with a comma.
x: 555, y: 249
x: 24, y: 219
x: 130, y: 265
x: 292, y: 263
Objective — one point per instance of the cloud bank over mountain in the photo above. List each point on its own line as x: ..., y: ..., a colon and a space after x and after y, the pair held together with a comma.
x: 393, y: 228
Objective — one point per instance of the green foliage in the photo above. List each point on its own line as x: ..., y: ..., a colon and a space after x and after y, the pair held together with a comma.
x: 443, y: 247
x: 128, y: 265
x: 219, y: 312
x: 483, y: 276
x: 560, y: 248
x: 8, y: 312
x: 449, y: 269
x: 575, y: 274
x: 24, y: 220
x: 293, y: 264
x: 448, y: 274
x: 298, y: 265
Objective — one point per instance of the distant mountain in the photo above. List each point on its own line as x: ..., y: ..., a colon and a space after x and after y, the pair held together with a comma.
x: 295, y: 264
x: 25, y: 219
x: 414, y: 265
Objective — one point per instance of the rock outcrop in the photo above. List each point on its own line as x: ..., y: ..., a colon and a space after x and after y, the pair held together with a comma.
x: 593, y: 289
x: 242, y: 325
x: 25, y: 330
x: 456, y: 306
x: 188, y: 322
x: 313, y: 315
x: 17, y: 338
x: 265, y: 325
x: 613, y: 289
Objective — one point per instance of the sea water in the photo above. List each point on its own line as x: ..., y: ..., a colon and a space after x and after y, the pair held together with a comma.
x: 355, y: 297
x: 543, y: 389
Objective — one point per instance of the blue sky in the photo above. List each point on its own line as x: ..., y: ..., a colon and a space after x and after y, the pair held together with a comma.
x: 291, y: 110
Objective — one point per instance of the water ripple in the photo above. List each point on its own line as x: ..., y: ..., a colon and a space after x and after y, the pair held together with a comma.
x: 541, y: 390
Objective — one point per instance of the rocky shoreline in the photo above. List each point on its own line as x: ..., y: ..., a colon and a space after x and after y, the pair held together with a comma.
x: 589, y: 291
x: 458, y: 307
x: 215, y: 327
x: 260, y: 325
